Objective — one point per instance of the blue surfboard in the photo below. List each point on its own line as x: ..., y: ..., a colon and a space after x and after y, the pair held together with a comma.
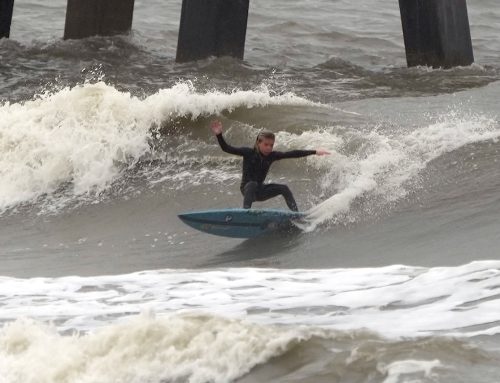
x: 241, y: 223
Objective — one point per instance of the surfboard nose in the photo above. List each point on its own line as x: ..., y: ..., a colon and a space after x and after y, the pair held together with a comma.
x: 185, y: 217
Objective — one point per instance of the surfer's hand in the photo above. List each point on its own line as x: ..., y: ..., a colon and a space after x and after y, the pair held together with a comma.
x: 216, y: 127
x: 322, y: 152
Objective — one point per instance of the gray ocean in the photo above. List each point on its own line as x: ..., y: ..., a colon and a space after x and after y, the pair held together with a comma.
x: 395, y: 276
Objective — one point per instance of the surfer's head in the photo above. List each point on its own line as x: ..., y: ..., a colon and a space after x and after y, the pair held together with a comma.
x: 264, y: 142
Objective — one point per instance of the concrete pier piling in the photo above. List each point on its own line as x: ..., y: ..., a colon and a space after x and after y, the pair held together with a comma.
x: 212, y: 28
x: 6, y: 8
x: 85, y: 18
x: 436, y: 33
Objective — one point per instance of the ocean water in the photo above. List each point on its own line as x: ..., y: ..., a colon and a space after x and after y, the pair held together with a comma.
x: 395, y: 275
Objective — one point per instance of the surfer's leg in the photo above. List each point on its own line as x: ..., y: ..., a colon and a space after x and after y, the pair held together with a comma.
x: 273, y: 190
x: 249, y: 192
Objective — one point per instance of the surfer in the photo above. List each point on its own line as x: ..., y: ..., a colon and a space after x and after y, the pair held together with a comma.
x: 256, y: 164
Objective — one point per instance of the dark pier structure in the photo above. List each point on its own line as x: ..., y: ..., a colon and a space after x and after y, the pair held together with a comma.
x: 85, y: 18
x: 436, y: 32
x: 6, y: 8
x: 212, y: 28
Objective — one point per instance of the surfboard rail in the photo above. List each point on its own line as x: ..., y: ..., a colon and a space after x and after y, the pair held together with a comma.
x: 241, y: 223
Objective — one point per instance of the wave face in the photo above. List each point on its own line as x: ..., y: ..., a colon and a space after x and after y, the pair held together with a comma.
x: 89, y: 155
x: 81, y: 140
x: 84, y: 138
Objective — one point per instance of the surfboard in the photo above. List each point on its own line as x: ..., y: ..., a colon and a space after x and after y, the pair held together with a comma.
x: 241, y: 223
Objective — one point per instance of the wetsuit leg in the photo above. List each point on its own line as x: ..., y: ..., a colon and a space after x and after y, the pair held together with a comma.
x: 249, y: 192
x: 272, y: 190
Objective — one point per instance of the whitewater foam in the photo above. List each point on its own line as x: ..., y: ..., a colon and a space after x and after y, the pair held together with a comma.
x: 396, y: 370
x: 217, y: 325
x: 387, y: 168
x: 190, y: 348
x: 84, y: 137
x: 393, y: 300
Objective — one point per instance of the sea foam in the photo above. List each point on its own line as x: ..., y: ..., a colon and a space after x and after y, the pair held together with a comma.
x: 217, y: 325
x: 387, y: 166
x: 84, y: 137
x: 188, y: 348
x: 394, y: 300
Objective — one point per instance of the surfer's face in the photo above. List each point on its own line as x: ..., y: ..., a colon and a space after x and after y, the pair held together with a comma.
x: 265, y: 146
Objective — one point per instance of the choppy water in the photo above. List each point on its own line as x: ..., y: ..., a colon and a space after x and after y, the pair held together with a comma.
x: 103, y: 141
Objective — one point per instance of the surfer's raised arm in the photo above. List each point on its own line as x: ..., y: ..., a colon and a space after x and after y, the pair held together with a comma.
x: 216, y: 127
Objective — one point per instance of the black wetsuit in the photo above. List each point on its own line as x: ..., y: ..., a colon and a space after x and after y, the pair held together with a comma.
x: 255, y: 169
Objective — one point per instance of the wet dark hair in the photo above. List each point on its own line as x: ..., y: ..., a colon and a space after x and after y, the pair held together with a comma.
x: 264, y: 134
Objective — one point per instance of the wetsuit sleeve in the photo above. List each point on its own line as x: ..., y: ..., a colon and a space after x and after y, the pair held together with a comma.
x: 293, y: 154
x: 231, y: 149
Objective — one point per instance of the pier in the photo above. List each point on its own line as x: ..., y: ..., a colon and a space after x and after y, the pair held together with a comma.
x: 436, y: 33
x: 6, y: 8
x: 212, y: 28
x: 86, y: 18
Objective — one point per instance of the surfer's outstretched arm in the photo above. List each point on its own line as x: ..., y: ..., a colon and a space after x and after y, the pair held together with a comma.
x: 322, y: 152
x: 299, y: 153
x: 216, y: 127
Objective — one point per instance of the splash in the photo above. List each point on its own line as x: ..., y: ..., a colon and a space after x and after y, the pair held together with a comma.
x: 188, y: 348
x: 382, y: 165
x: 217, y: 325
x: 331, y: 298
x: 84, y: 137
